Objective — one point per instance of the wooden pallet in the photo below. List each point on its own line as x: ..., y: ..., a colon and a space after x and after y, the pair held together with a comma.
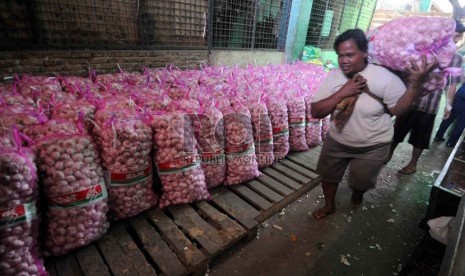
x: 279, y: 184
x: 182, y: 240
x: 177, y: 241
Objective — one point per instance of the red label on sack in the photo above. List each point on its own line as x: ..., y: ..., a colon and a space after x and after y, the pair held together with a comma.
x: 266, y: 137
x: 238, y: 149
x: 81, y: 197
x: 299, y: 120
x: 18, y: 214
x: 280, y: 129
x: 12, y: 214
x: 130, y: 176
x: 178, y: 164
x: 313, y: 121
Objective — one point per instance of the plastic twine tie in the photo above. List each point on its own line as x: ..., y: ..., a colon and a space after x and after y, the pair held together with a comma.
x: 79, y: 123
x: 114, y: 132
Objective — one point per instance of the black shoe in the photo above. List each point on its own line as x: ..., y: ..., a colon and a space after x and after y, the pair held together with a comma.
x: 449, y: 145
x: 439, y: 139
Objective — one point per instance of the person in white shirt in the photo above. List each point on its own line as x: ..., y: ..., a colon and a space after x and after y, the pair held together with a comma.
x: 363, y: 142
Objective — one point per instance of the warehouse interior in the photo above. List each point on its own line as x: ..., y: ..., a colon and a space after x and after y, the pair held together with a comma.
x: 129, y: 57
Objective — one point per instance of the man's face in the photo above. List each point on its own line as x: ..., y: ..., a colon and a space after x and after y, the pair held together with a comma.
x: 351, y: 60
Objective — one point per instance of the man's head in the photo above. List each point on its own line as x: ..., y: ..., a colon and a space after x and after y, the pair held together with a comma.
x: 352, y: 50
x: 459, y: 30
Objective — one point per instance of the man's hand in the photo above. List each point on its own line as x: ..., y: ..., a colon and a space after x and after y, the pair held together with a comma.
x: 447, y: 110
x: 354, y: 86
x: 416, y: 77
x: 418, y: 74
x: 446, y: 115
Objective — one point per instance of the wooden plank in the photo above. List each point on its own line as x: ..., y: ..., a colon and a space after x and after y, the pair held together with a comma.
x: 287, y: 200
x: 228, y: 227
x: 282, y: 178
x: 133, y: 254
x: 299, y: 169
x: 264, y: 191
x: 302, y: 162
x: 275, y: 185
x: 91, y: 262
x: 67, y: 265
x: 251, y: 197
x: 235, y: 207
x: 114, y: 256
x: 308, y: 161
x: 312, y: 162
x: 313, y: 154
x: 155, y: 246
x: 316, y: 149
x: 291, y: 173
x: 197, y: 228
x: 186, y: 251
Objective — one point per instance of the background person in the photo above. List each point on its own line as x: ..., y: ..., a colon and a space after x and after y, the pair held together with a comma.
x: 457, y: 115
x: 455, y: 106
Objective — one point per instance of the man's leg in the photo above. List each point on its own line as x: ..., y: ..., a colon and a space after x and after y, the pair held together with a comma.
x: 331, y: 170
x: 412, y: 165
x: 402, y: 127
x: 459, y: 108
x: 439, y: 137
x: 364, y: 171
x: 420, y: 137
x: 329, y: 191
x: 457, y: 130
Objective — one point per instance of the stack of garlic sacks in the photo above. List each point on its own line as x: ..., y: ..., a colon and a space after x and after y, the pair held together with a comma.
x: 113, y: 145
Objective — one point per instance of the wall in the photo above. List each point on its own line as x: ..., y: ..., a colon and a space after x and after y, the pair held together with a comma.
x: 292, y: 29
x: 243, y: 58
x: 298, y: 26
x: 78, y: 62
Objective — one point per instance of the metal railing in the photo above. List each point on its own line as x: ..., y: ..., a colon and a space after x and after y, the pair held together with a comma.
x: 329, y: 18
x: 143, y: 24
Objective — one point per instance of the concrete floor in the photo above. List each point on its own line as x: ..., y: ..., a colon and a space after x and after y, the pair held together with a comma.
x: 375, y: 239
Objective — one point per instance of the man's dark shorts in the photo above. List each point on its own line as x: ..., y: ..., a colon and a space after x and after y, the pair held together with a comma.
x: 364, y: 163
x: 419, y: 124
